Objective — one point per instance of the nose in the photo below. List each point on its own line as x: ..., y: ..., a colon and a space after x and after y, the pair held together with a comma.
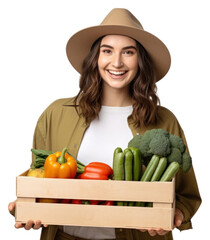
x: 117, y: 60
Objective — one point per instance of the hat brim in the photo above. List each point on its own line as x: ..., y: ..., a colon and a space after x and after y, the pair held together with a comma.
x: 80, y: 44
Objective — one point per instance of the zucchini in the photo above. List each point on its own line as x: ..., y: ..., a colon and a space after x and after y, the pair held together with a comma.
x: 170, y: 172
x: 160, y: 169
x: 118, y: 169
x: 150, y: 168
x: 117, y: 150
x: 137, y: 163
x: 128, y: 165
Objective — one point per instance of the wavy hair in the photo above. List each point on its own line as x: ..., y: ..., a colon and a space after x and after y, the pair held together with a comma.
x: 142, y: 89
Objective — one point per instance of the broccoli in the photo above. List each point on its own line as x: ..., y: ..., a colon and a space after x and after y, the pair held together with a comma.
x: 177, y: 142
x: 135, y: 141
x: 154, y: 141
x: 186, y: 162
x: 175, y: 156
x: 162, y: 143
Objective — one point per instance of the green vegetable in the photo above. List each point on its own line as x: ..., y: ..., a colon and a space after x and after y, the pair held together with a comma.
x: 162, y: 143
x: 135, y: 141
x: 118, y: 168
x: 38, y: 163
x: 150, y: 168
x: 186, y: 162
x: 159, y: 170
x: 41, y: 153
x: 177, y: 142
x: 175, y: 156
x: 128, y: 165
x: 137, y: 163
x: 117, y: 150
x: 170, y: 172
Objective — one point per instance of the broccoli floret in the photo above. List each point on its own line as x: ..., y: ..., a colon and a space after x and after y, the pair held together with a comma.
x: 160, y: 145
x: 177, y: 142
x: 155, y: 141
x: 175, y: 156
x: 135, y: 141
x: 186, y: 162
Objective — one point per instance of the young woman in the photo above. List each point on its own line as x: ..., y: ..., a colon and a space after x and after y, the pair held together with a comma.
x: 120, y: 64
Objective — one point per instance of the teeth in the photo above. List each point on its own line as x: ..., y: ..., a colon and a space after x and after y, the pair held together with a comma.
x: 117, y: 73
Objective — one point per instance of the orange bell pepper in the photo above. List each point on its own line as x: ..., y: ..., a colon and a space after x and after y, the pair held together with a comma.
x: 60, y: 165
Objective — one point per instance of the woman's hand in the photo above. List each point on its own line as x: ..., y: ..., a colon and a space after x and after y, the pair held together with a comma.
x: 178, y: 218
x: 30, y: 224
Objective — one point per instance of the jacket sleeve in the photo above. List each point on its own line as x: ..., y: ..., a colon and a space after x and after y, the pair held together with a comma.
x: 188, y: 197
x: 39, y: 138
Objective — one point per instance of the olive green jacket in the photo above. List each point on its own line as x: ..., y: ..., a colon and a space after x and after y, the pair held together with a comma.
x: 60, y: 126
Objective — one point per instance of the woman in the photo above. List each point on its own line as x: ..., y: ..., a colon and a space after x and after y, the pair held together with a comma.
x: 119, y: 64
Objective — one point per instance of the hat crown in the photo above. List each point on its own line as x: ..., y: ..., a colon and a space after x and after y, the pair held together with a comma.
x: 122, y: 17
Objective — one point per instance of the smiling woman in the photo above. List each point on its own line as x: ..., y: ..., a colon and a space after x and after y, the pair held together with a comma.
x: 119, y: 64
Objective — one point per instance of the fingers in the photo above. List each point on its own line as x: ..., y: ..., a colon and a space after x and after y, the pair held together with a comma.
x: 11, y: 206
x: 31, y: 224
x: 155, y: 231
x: 178, y: 219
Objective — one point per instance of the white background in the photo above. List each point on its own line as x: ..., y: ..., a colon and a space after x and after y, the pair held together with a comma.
x: 34, y: 71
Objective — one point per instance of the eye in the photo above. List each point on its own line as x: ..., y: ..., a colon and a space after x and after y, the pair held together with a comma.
x: 128, y: 52
x: 107, y: 51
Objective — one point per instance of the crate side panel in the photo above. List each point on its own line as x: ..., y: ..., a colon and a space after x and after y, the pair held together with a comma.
x: 95, y: 189
x: 100, y: 216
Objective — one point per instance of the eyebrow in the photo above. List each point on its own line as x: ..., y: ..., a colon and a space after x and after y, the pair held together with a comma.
x: 127, y: 47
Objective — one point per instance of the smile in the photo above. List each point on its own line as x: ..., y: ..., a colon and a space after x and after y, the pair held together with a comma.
x: 117, y: 73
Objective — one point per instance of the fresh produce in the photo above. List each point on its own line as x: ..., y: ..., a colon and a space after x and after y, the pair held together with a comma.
x: 99, y: 167
x: 94, y: 171
x: 38, y: 172
x: 137, y: 163
x: 92, y: 175
x: 60, y: 165
x: 160, y: 142
x: 170, y: 172
x: 128, y: 165
x: 118, y: 166
x: 41, y: 153
x: 151, y: 167
x: 159, y: 170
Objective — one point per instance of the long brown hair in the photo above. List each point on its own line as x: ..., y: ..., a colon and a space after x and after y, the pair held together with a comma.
x: 142, y: 88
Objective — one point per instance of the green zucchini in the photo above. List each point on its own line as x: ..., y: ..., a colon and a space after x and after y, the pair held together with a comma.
x: 153, y: 163
x: 170, y: 172
x: 118, y: 169
x: 128, y: 165
x: 137, y: 163
x: 117, y: 150
x: 160, y: 169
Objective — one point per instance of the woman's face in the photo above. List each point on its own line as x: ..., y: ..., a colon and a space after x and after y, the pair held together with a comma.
x: 118, y: 61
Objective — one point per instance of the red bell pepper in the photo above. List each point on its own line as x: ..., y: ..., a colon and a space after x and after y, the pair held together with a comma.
x: 93, y: 175
x: 99, y: 167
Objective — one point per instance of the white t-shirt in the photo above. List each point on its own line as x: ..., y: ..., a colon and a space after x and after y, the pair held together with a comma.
x: 104, y: 134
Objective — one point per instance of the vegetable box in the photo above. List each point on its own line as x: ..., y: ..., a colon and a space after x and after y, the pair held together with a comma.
x: 161, y: 215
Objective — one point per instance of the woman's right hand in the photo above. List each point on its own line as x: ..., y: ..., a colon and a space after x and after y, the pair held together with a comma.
x: 30, y: 223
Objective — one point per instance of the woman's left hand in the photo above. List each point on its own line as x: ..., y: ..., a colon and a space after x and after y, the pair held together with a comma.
x: 178, y: 218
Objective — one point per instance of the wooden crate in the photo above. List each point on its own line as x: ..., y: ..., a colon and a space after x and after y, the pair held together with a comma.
x: 161, y: 215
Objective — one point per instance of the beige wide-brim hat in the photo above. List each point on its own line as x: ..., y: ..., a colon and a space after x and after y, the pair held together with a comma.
x: 119, y: 22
